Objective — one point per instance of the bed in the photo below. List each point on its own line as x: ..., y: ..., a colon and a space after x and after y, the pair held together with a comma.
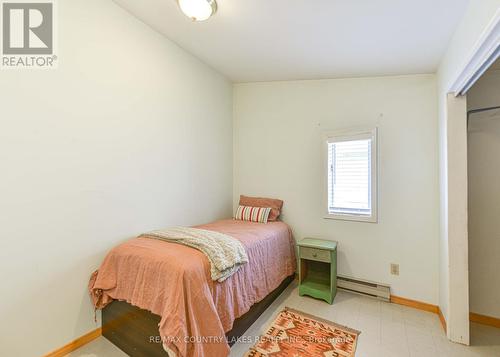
x: 157, y: 296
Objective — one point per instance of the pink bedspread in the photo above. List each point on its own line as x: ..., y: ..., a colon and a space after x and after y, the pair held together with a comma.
x: 173, y: 281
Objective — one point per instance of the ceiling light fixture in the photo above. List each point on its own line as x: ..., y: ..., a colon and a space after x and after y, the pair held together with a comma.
x: 198, y: 10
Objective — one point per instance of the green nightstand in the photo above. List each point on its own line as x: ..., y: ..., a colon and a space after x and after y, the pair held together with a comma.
x: 318, y: 268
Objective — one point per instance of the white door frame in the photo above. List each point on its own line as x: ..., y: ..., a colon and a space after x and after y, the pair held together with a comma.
x: 458, y: 238
x: 485, y: 52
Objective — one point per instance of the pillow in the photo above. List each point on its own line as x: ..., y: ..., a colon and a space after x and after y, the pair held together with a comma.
x: 253, y: 214
x: 273, y: 203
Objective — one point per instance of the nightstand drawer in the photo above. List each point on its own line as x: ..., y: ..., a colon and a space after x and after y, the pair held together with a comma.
x: 320, y: 255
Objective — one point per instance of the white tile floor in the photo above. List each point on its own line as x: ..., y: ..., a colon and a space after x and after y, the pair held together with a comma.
x: 387, y: 330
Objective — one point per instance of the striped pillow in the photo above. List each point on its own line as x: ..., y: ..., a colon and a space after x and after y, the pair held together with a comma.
x: 252, y: 214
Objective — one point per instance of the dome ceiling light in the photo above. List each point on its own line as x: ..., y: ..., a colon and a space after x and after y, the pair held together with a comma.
x: 198, y: 10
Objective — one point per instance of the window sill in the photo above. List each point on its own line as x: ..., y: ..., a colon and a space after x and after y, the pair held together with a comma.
x: 348, y: 217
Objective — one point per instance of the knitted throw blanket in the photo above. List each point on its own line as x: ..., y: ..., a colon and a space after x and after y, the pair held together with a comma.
x: 225, y: 253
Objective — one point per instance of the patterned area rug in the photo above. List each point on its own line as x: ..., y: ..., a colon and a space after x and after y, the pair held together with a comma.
x: 297, y: 334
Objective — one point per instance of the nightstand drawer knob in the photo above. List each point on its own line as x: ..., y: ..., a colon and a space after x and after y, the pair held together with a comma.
x: 315, y: 255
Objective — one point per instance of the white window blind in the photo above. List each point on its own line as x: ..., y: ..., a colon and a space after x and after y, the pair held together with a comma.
x: 351, y: 180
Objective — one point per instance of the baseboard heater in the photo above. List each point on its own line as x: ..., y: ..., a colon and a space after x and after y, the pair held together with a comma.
x: 364, y: 287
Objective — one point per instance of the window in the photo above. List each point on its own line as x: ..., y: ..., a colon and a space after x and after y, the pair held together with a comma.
x: 352, y: 175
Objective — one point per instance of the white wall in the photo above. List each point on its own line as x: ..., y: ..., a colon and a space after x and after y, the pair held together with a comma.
x: 453, y: 277
x: 130, y: 133
x: 484, y: 195
x: 278, y: 153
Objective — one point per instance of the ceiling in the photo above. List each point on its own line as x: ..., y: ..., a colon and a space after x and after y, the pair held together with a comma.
x: 264, y: 40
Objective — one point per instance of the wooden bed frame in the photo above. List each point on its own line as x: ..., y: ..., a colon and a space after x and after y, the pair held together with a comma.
x: 135, y: 331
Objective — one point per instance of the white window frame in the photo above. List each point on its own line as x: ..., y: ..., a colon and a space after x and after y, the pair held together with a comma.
x: 351, y: 135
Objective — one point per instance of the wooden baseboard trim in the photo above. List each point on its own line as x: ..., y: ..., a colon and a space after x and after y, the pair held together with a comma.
x: 478, y: 318
x: 484, y: 320
x: 420, y: 306
x: 73, y: 345
x: 442, y: 319
x: 415, y: 304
